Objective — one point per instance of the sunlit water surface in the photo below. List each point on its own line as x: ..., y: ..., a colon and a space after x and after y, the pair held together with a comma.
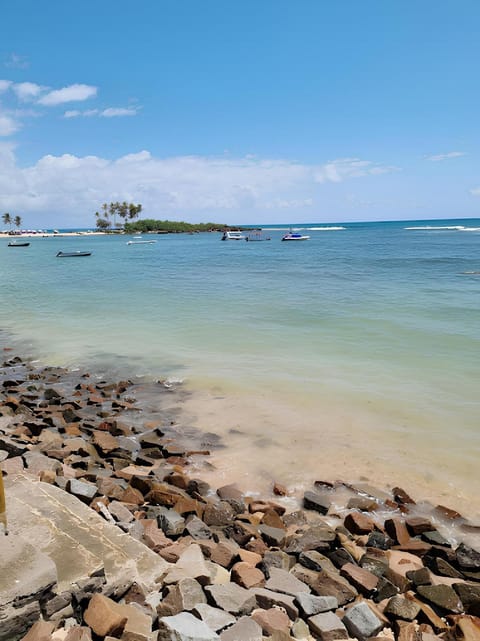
x: 353, y: 354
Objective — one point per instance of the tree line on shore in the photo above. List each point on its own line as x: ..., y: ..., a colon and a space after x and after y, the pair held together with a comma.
x: 107, y: 221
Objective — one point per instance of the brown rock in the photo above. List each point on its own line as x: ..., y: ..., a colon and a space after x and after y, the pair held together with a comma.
x: 154, y: 536
x: 359, y: 523
x: 224, y: 553
x: 272, y: 620
x: 131, y: 495
x: 279, y: 489
x: 247, y: 576
x: 418, y: 524
x: 402, y: 497
x: 103, y: 617
x: 40, y: 631
x: 272, y: 518
x: 362, y: 579
x: 397, y: 530
x: 252, y: 558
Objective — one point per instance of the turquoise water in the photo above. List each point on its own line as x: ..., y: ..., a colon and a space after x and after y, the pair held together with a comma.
x: 353, y: 353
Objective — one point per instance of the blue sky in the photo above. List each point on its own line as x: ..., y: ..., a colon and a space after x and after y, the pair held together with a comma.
x: 240, y: 111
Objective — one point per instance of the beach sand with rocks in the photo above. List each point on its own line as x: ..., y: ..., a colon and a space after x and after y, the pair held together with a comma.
x: 131, y: 542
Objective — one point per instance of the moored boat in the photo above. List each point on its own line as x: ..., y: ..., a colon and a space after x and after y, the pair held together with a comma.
x: 14, y: 244
x: 73, y: 254
x: 233, y: 235
x: 141, y: 242
x: 295, y: 236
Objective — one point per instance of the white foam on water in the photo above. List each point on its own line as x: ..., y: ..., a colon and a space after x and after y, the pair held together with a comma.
x: 325, y: 228
x: 437, y: 227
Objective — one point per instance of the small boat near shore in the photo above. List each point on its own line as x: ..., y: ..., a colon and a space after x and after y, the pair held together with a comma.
x: 141, y: 242
x: 73, y: 254
x: 14, y: 244
x: 295, y: 236
x: 233, y: 235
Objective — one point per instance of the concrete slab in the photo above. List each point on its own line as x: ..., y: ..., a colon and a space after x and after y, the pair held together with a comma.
x: 79, y: 541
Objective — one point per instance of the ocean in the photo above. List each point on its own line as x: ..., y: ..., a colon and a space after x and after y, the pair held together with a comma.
x: 353, y: 355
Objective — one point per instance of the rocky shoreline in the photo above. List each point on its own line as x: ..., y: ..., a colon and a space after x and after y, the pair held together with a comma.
x: 350, y: 561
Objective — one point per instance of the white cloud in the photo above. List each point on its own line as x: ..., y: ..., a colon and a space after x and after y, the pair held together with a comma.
x: 194, y: 187
x: 72, y: 93
x: 27, y: 90
x: 4, y: 85
x: 8, y: 124
x: 450, y: 154
x: 475, y: 192
x: 110, y: 112
x: 343, y: 168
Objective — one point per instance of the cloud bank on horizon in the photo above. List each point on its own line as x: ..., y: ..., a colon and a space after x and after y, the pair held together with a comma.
x: 199, y: 123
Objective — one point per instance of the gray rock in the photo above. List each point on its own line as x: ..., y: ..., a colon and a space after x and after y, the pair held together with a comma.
x: 184, y: 627
x: 276, y: 559
x: 401, y: 608
x: 273, y: 536
x: 468, y: 558
x: 82, y: 490
x: 120, y: 512
x: 283, y: 581
x: 442, y: 596
x: 361, y: 622
x: 232, y: 598
x: 327, y: 626
x: 313, y: 560
x: 316, y: 501
x: 318, y: 537
x: 170, y: 521
x: 215, y: 618
x: 245, y: 629
x: 218, y: 514
x: 469, y: 594
x: 311, y: 604
x: 197, y: 528
x: 266, y: 599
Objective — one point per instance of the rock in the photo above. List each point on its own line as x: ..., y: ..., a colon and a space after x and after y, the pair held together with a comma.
x: 419, y: 577
x: 359, y: 523
x: 313, y: 560
x: 333, y: 584
x: 191, y: 564
x: 327, y: 626
x: 232, y: 598
x: 215, y: 618
x: 277, y: 559
x: 272, y: 620
x: 40, y: 631
x: 247, y: 576
x: 361, y: 622
x: 224, y: 553
x: 362, y: 503
x: 82, y: 490
x: 103, y: 617
x: 316, y: 501
x: 318, y: 537
x: 400, y: 607
x: 227, y: 492
x: 418, y: 524
x: 197, y: 529
x: 282, y: 581
x: 220, y: 513
x: 267, y: 599
x: 185, y: 595
x: 468, y: 558
x: 271, y: 535
x: 442, y: 596
x: 184, y: 627
x: 403, y: 562
x: 469, y: 594
x: 402, y: 497
x: 362, y: 579
x: 120, y: 512
x: 311, y: 604
x: 170, y: 521
x: 245, y: 629
x: 469, y: 628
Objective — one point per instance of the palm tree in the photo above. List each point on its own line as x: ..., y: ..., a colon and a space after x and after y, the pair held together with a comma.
x: 134, y: 210
x: 7, y: 219
x: 17, y: 221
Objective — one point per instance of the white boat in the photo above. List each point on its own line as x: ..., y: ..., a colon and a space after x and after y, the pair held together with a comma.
x: 295, y: 236
x: 141, y: 242
x: 233, y: 235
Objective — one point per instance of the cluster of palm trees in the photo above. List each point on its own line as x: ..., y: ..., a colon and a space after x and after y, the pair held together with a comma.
x: 110, y: 211
x: 8, y: 220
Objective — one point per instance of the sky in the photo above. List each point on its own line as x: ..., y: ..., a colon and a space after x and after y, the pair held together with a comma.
x: 240, y: 111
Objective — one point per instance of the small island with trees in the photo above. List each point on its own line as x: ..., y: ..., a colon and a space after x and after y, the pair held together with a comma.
x: 106, y: 221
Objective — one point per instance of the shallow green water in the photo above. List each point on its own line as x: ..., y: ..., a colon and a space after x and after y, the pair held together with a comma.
x: 373, y: 329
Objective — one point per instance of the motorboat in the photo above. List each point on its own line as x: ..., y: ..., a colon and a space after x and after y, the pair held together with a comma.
x: 295, y: 236
x: 72, y: 254
x: 233, y: 235
x: 14, y: 244
x: 141, y: 242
